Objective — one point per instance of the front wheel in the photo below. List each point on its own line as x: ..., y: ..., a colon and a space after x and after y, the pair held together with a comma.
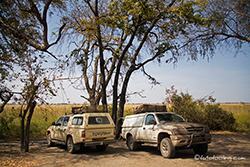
x: 166, y: 148
x: 49, y: 141
x: 200, y: 149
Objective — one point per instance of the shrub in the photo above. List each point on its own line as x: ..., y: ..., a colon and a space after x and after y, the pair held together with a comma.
x: 200, y: 111
x: 8, y: 123
x: 217, y: 118
x: 184, y: 105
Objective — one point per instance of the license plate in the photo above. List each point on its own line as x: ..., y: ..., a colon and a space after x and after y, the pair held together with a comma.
x: 100, y: 139
x: 101, y: 133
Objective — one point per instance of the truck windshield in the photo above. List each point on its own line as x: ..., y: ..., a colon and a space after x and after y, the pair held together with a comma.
x: 165, y: 118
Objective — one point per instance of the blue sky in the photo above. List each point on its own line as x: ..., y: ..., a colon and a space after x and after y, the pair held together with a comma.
x: 226, y: 77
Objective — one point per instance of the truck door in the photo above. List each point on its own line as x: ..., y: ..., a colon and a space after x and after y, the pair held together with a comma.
x: 58, y: 128
x: 63, y: 128
x: 148, y: 128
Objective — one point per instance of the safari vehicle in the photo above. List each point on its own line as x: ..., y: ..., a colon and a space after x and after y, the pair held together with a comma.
x: 87, y: 126
x: 166, y: 130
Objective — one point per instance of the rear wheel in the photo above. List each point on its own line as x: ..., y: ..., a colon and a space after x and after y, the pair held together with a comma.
x: 131, y: 144
x: 200, y: 149
x: 166, y: 148
x: 101, y: 147
x: 71, y: 146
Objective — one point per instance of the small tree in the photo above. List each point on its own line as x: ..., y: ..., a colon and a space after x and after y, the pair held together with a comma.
x: 35, y: 87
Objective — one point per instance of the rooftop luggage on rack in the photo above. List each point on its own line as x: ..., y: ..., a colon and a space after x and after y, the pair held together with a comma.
x: 89, y: 109
x: 149, y: 108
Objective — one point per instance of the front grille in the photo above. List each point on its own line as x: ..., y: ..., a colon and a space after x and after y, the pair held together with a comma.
x: 195, y: 129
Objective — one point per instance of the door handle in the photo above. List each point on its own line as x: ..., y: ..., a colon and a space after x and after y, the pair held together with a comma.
x: 143, y: 128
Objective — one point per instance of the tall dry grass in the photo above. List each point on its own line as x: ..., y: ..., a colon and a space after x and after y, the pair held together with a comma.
x: 241, y: 112
x: 44, y: 115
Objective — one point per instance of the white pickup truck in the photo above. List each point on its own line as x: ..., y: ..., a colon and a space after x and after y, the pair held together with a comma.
x: 167, y: 131
x: 82, y: 129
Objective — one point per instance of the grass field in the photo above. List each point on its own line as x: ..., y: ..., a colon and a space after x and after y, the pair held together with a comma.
x: 44, y: 115
x: 241, y: 112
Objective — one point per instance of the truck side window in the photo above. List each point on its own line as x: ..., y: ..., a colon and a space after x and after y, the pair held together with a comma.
x: 66, y: 120
x: 59, y: 121
x: 77, y: 121
x: 148, y: 118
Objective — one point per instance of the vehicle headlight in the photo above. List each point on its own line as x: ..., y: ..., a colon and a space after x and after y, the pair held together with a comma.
x: 178, y: 131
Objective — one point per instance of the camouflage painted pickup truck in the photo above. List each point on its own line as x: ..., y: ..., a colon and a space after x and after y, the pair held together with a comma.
x: 166, y: 130
x: 83, y: 128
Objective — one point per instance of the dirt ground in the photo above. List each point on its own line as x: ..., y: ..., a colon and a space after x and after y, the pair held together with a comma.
x: 226, y: 149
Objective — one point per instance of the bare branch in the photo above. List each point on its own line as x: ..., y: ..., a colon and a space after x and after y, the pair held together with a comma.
x: 59, y: 35
x: 152, y: 79
x: 51, y: 54
x: 84, y: 97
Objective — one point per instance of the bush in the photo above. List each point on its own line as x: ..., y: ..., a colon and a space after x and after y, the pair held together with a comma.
x: 218, y: 119
x: 201, y: 111
x: 8, y: 128
x: 186, y: 107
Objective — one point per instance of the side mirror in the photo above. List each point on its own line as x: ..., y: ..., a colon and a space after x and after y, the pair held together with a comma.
x: 151, y: 122
x: 53, y: 123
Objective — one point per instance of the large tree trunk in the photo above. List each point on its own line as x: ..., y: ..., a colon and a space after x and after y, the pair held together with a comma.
x: 115, y: 99
x: 123, y: 101
x: 117, y: 73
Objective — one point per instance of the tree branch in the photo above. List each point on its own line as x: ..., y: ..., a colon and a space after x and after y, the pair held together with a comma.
x: 5, y: 101
x: 59, y: 35
x: 42, y: 20
x: 152, y: 79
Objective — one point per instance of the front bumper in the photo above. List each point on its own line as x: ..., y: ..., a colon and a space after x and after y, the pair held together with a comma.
x: 190, y: 140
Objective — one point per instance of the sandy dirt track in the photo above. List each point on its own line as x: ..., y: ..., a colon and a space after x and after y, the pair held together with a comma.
x: 226, y: 149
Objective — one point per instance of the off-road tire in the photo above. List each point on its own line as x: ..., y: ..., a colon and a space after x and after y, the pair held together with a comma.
x: 101, y: 147
x: 200, y: 149
x: 71, y: 145
x: 49, y: 141
x: 166, y: 148
x: 132, y: 146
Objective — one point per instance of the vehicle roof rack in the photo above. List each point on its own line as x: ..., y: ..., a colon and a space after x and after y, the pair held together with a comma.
x: 149, y: 108
x: 89, y: 109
